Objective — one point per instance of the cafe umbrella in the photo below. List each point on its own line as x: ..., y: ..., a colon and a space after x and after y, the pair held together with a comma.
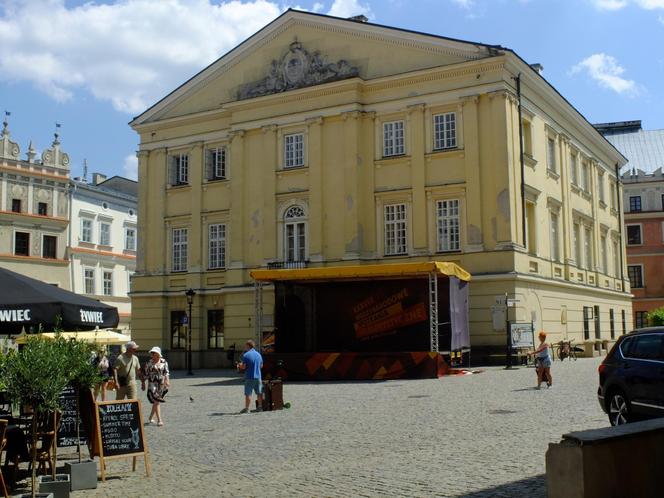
x: 31, y: 305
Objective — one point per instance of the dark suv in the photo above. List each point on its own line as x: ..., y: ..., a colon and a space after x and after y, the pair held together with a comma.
x: 631, y: 377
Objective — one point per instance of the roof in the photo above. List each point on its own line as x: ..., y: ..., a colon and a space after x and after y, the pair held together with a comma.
x: 360, y: 272
x: 643, y: 148
x: 120, y: 184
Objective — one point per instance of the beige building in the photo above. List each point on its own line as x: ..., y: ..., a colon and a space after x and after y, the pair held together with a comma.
x: 327, y: 141
x: 34, y: 211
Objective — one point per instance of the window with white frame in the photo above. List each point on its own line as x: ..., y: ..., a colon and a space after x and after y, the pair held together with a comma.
x: 179, y: 169
x: 551, y: 154
x: 104, y: 234
x: 86, y: 230
x: 444, y: 131
x: 588, y: 247
x: 89, y: 280
x: 108, y: 283
x: 555, y: 243
x: 396, y: 241
x: 295, y: 234
x: 294, y: 150
x: 216, y: 163
x: 447, y: 220
x: 180, y: 249
x: 393, y: 138
x: 216, y: 246
x: 573, y: 169
x: 130, y: 239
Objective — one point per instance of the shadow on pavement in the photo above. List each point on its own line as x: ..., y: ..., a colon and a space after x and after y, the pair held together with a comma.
x: 532, y: 487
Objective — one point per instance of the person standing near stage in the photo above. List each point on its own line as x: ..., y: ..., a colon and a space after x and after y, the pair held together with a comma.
x: 251, y: 363
x: 125, y: 370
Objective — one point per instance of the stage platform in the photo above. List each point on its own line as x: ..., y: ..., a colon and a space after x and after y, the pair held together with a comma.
x: 355, y: 366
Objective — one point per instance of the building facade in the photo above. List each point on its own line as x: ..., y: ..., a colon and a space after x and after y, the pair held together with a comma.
x: 643, y: 204
x: 34, y: 211
x: 103, y: 241
x: 326, y: 141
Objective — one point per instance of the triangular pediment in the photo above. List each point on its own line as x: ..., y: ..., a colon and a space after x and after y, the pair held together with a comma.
x: 301, y: 49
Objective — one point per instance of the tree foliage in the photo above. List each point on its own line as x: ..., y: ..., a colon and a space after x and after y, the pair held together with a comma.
x: 656, y: 317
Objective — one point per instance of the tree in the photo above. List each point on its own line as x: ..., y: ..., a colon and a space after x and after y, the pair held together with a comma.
x: 656, y: 317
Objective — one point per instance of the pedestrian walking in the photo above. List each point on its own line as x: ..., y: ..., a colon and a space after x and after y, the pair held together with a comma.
x: 251, y: 363
x: 543, y: 361
x: 125, y: 370
x: 155, y: 371
x: 104, y: 369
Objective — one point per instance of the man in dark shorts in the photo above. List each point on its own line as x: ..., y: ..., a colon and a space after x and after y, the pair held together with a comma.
x: 252, y: 362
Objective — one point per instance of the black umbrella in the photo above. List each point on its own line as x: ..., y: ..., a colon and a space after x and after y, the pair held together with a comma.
x: 28, y: 303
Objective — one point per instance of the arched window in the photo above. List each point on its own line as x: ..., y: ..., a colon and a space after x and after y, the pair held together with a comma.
x: 295, y: 234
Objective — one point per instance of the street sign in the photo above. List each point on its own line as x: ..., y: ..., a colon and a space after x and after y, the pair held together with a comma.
x: 511, y: 303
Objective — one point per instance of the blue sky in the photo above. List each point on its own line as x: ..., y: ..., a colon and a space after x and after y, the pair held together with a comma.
x: 92, y: 66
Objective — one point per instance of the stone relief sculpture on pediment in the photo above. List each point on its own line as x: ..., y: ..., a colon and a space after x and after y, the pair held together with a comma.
x: 298, y: 68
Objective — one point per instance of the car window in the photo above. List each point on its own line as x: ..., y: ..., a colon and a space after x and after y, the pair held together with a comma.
x: 645, y: 347
x: 626, y: 347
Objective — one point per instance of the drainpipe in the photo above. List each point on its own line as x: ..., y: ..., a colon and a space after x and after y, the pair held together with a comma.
x: 523, y: 166
x: 620, y: 221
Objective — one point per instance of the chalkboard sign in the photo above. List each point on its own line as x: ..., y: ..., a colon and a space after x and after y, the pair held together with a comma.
x: 120, y: 432
x: 67, y: 431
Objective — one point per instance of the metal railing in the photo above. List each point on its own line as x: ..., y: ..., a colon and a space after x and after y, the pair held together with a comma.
x: 287, y: 265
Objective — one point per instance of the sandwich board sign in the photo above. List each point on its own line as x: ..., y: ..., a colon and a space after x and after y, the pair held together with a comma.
x: 120, y: 432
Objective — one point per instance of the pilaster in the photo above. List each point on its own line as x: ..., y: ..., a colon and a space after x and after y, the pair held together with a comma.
x: 143, y: 210
x: 351, y: 235
x: 416, y: 134
x: 236, y: 259
x: 473, y: 202
x: 268, y: 186
x: 316, y: 191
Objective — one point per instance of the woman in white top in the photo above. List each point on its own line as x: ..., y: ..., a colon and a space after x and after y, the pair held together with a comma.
x: 156, y: 373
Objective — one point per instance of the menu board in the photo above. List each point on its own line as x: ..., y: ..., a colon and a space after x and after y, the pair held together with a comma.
x: 120, y: 427
x: 67, y: 431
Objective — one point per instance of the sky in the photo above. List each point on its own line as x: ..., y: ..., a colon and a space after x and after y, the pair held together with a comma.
x: 91, y: 66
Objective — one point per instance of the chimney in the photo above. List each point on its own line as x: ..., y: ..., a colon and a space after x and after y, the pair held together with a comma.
x: 538, y: 67
x: 97, y: 178
x: 360, y: 18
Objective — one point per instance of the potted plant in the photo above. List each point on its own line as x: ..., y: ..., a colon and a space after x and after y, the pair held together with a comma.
x: 36, y: 376
x: 84, y: 376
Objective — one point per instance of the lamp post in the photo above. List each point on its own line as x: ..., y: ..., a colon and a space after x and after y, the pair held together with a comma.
x: 190, y: 300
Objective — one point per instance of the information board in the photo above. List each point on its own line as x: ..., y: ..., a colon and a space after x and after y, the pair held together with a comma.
x: 522, y: 335
x: 67, y: 431
x: 120, y: 431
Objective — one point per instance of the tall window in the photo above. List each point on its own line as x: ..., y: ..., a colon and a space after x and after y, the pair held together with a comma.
x: 108, y: 283
x: 577, y: 245
x: 624, y: 321
x: 616, y: 258
x: 588, y: 247
x: 216, y: 246
x: 635, y: 273
x: 180, y: 249
x: 573, y: 170
x: 555, y: 243
x: 600, y: 187
x: 215, y: 329
x: 105, y: 234
x: 89, y: 280
x: 612, y: 323
x: 130, y: 239
x: 393, y: 138
x: 178, y: 329
x: 635, y: 204
x: 633, y: 235
x: 179, y: 169
x: 551, y: 155
x: 531, y: 228
x: 295, y: 237
x: 444, y: 131
x: 640, y: 319
x: 294, y: 150
x: 22, y: 244
x: 395, y: 229
x: 216, y: 163
x: 527, y: 138
x: 42, y: 209
x: 612, y: 193
x: 16, y: 205
x: 605, y: 255
x: 49, y: 246
x: 585, y: 176
x: 447, y: 215
x: 86, y: 230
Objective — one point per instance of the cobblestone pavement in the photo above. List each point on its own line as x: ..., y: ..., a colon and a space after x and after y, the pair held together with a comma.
x: 474, y: 436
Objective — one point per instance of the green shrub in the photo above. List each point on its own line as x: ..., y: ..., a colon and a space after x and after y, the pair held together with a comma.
x: 656, y: 317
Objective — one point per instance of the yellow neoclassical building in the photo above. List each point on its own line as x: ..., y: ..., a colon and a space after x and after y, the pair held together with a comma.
x: 326, y: 141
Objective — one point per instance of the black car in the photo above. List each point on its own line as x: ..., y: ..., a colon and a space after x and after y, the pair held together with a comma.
x: 631, y: 377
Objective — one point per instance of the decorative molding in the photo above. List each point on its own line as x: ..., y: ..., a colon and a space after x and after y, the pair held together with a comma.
x: 316, y: 120
x: 297, y: 68
x: 350, y: 114
x: 415, y: 107
x: 269, y: 128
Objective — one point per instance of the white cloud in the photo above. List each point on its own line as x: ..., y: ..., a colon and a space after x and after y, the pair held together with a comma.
x: 130, y: 53
x: 619, y: 4
x: 466, y: 4
x: 606, y: 70
x: 130, y: 166
x: 651, y: 4
x: 348, y: 8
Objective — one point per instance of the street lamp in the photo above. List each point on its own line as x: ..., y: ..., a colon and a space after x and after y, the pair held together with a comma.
x: 190, y: 300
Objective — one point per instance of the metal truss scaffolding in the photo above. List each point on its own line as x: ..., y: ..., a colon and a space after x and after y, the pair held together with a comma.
x: 433, y: 310
x: 258, y: 313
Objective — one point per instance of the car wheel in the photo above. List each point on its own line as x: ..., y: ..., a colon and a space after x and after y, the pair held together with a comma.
x: 619, y: 409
